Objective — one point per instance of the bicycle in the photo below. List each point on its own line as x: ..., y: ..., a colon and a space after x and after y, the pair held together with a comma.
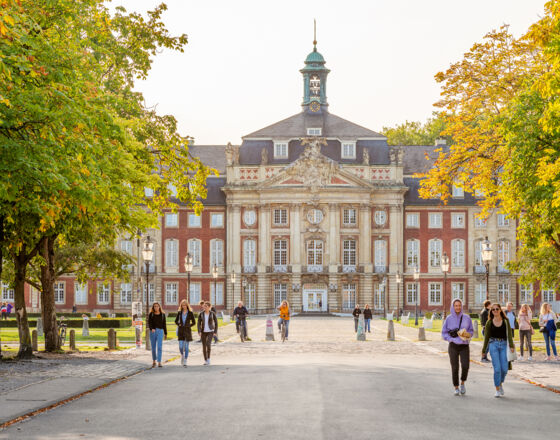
x: 283, y: 330
x: 62, y: 332
x: 242, y: 329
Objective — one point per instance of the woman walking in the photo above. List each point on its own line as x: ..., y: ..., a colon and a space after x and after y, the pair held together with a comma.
x: 356, y: 314
x: 498, y: 338
x: 526, y: 330
x: 184, y: 321
x: 367, y: 318
x: 158, y: 332
x: 284, y: 310
x: 547, y: 322
x: 457, y: 330
x: 207, y: 328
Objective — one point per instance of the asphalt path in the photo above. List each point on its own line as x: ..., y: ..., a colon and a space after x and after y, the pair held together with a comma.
x: 321, y: 389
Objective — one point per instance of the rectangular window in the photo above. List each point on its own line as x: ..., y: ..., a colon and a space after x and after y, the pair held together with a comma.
x: 171, y: 293
x: 280, y: 217
x: 152, y: 296
x: 348, y: 296
x: 478, y: 254
x: 348, y: 150
x: 280, y: 150
x: 126, y: 246
x: 80, y: 293
x: 280, y: 252
x: 194, y: 250
x: 7, y: 293
x: 457, y: 220
x: 503, y: 293
x: 411, y: 293
x: 171, y: 253
x: 280, y: 293
x: 413, y: 220
x: 435, y: 294
x: 59, y: 293
x: 171, y: 220
x: 503, y: 254
x: 435, y: 220
x: 548, y: 295
x: 249, y: 253
x: 503, y: 221
x: 480, y: 293
x: 216, y: 253
x: 479, y: 223
x: 315, y: 253
x: 250, y: 296
x: 526, y: 293
x: 217, y: 297
x: 148, y: 192
x: 194, y: 220
x: 194, y: 294
x: 349, y: 217
x: 217, y: 220
x: 314, y: 131
x: 457, y: 192
x: 412, y: 253
x: 349, y: 252
x: 103, y: 293
x: 458, y: 253
x: 379, y: 296
x: 380, y: 253
x: 126, y: 293
x: 172, y: 190
x: 458, y: 291
x: 435, y: 253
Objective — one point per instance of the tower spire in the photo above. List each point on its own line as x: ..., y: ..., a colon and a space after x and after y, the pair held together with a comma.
x: 314, y: 35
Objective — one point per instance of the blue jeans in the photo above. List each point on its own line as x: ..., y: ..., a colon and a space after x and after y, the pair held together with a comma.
x: 287, y: 322
x: 156, y: 339
x: 498, y: 353
x: 184, y: 348
x: 367, y: 329
x: 550, y: 339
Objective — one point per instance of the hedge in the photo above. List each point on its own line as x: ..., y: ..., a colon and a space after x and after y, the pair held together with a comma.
x: 66, y: 315
x: 78, y: 323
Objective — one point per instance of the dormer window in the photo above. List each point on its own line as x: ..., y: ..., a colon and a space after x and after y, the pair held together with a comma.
x: 348, y: 150
x: 314, y: 131
x: 280, y: 150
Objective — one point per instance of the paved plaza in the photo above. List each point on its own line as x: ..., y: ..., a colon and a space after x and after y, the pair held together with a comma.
x: 321, y: 384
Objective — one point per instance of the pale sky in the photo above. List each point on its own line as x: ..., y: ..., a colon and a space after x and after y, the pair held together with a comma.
x: 240, y: 70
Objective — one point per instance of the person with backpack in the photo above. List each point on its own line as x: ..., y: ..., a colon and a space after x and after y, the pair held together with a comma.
x: 484, y: 313
x: 458, y: 330
x: 510, y: 315
x: 184, y: 321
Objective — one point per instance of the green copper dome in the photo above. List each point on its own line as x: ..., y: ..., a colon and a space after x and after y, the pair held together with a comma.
x: 315, y: 57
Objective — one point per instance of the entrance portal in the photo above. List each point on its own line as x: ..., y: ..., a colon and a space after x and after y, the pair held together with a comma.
x: 314, y: 298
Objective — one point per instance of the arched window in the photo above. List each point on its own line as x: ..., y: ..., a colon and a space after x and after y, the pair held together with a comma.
x: 413, y: 253
x: 380, y: 255
x: 171, y: 253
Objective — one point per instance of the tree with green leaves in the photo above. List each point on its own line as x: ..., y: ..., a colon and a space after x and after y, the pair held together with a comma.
x: 416, y: 133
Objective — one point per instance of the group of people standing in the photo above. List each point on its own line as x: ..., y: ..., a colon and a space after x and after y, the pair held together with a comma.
x: 368, y: 315
x: 6, y: 309
x: 498, y: 329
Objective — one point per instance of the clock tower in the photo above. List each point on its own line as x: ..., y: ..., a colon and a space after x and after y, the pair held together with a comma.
x: 314, y: 82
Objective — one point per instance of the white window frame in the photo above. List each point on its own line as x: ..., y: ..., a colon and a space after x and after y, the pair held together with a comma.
x: 413, y: 253
x: 349, y: 252
x: 171, y: 219
x: 503, y: 293
x: 526, y: 293
x: 503, y: 253
x: 60, y: 292
x: 104, y: 293
x: 217, y: 215
x: 458, y: 253
x: 503, y: 221
x: 380, y: 217
x: 280, y: 293
x: 411, y: 293
x: 457, y: 192
x: 219, y: 301
x: 548, y: 295
x: 314, y: 131
x: 172, y: 189
x: 455, y: 217
x: 380, y: 253
x: 434, y: 294
x: 479, y: 293
x: 250, y: 296
x: 478, y: 253
x: 82, y: 287
x: 280, y: 252
x: 171, y: 293
x: 280, y: 217
x: 458, y: 291
x: 250, y: 252
x: 195, y: 293
x: 148, y: 192
x: 348, y: 150
x: 281, y: 150
x: 195, y: 221
x: 349, y: 217
x: 435, y: 247
x: 126, y: 293
x: 412, y: 219
x: 479, y: 223
x: 216, y: 252
x: 172, y: 252
x: 195, y: 249
x: 315, y: 252
x: 348, y: 296
x: 8, y: 294
x: 435, y: 220
x: 152, y: 294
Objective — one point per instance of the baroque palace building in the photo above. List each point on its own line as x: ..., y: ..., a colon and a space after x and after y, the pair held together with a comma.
x: 324, y: 213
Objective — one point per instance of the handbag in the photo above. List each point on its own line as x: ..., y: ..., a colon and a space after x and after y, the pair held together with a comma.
x: 511, y: 356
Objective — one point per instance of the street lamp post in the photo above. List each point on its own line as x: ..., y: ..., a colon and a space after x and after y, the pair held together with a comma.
x: 444, y: 269
x: 416, y: 278
x: 233, y: 279
x: 383, y: 296
x: 399, y: 280
x: 188, y: 269
x: 215, y: 276
x: 148, y: 255
x: 486, y: 251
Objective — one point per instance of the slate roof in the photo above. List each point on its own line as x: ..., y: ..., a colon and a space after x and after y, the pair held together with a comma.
x: 296, y: 126
x: 414, y: 159
x: 412, y: 197
x: 211, y: 155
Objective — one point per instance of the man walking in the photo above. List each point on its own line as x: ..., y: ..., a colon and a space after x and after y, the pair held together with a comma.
x: 483, y: 318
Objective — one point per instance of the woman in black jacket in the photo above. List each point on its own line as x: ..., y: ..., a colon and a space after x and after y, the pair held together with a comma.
x: 158, y: 332
x: 367, y: 318
x: 356, y: 314
x: 207, y: 328
x: 184, y: 321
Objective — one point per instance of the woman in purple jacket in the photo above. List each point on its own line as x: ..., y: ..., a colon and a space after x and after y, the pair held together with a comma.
x: 457, y: 330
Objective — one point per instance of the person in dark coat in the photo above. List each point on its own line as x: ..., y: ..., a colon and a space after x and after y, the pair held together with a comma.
x: 356, y: 314
x: 158, y: 332
x: 184, y: 321
x: 484, y: 314
x: 367, y: 318
x: 207, y: 328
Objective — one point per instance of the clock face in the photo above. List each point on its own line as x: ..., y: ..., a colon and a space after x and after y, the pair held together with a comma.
x: 315, y: 216
x: 314, y: 106
x: 380, y: 218
x: 250, y: 217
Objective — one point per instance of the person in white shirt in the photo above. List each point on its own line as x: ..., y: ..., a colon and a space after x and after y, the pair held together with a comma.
x: 547, y: 323
x: 207, y: 328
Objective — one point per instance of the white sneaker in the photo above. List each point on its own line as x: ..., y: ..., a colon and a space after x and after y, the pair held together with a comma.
x: 530, y: 358
x: 520, y: 358
x: 501, y: 390
x: 463, y: 389
x: 497, y: 394
x: 456, y: 392
x: 185, y: 363
x: 205, y: 363
x: 208, y: 362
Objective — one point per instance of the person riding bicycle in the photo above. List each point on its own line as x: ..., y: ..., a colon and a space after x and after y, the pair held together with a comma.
x: 240, y: 313
x: 284, y: 309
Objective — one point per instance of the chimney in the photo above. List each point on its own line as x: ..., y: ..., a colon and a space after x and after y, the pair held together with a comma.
x: 440, y: 142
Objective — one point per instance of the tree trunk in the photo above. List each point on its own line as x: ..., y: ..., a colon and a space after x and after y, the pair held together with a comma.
x: 25, y: 347
x: 48, y: 307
